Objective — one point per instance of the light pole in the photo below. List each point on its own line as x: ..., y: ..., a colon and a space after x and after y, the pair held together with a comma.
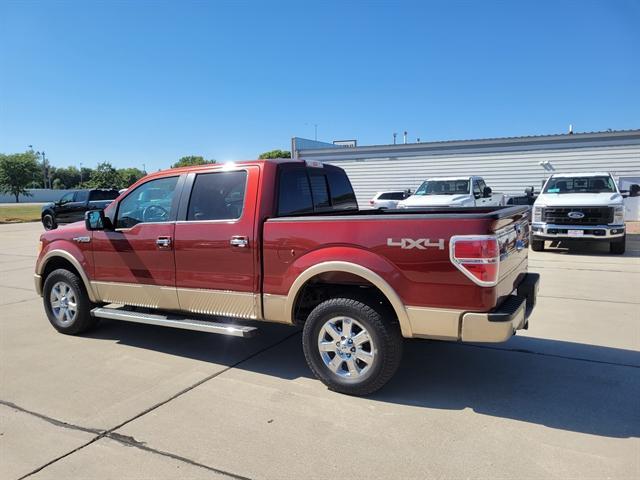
x: 80, y: 174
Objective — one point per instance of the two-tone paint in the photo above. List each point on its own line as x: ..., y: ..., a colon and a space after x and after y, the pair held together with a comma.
x: 195, y: 266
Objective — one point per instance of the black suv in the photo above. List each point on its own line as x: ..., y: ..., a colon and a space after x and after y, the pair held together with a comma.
x: 71, y: 207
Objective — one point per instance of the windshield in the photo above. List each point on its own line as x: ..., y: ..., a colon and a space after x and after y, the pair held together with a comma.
x: 443, y: 187
x: 600, y: 184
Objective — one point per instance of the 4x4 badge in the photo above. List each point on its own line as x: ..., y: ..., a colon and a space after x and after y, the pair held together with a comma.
x: 420, y: 243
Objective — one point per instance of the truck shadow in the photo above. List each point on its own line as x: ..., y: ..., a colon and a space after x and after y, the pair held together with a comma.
x: 562, y: 385
x: 594, y: 248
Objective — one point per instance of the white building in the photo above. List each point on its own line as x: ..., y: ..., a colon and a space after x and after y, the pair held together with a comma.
x: 508, y: 165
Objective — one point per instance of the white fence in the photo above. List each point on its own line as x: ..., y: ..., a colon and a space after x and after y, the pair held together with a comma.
x: 38, y: 195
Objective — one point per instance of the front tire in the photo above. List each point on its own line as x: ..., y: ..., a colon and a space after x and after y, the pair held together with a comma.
x: 618, y: 246
x: 48, y: 222
x: 350, y: 346
x: 67, y: 304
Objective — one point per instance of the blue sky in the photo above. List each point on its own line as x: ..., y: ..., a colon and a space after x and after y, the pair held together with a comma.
x: 147, y: 82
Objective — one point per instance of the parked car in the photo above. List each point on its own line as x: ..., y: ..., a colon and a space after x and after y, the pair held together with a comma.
x: 388, y: 199
x: 72, y: 205
x: 579, y: 206
x: 283, y: 241
x: 453, y: 192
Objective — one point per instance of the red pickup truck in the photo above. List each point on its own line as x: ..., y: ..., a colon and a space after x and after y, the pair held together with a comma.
x: 215, y: 248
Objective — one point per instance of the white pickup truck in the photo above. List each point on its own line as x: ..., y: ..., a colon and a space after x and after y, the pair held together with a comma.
x: 453, y: 192
x: 579, y: 206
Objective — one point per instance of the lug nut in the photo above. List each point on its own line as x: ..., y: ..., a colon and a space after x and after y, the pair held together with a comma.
x: 353, y: 349
x: 350, y: 340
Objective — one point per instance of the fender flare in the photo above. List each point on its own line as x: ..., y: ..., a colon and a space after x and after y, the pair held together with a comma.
x: 40, y: 267
x: 355, y: 269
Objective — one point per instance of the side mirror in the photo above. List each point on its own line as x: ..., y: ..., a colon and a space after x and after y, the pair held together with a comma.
x: 486, y: 192
x: 96, y: 220
x: 528, y: 191
x: 634, y: 190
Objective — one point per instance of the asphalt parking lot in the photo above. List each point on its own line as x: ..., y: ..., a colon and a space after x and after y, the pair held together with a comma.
x: 561, y: 400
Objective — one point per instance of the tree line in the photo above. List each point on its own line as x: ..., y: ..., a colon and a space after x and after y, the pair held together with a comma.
x: 20, y: 172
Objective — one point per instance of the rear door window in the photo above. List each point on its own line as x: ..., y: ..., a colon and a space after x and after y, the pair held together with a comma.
x: 217, y: 196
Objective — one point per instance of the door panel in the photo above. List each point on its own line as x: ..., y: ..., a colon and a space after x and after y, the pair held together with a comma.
x: 135, y: 265
x: 216, y: 251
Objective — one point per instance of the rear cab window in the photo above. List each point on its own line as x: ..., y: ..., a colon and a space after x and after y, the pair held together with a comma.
x: 304, y: 190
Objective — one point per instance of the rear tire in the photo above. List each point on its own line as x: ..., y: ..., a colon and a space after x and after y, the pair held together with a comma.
x: 618, y: 246
x: 67, y: 304
x: 48, y: 222
x: 537, y: 245
x: 350, y: 346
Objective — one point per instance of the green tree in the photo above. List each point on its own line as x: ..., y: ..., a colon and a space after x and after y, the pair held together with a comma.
x: 191, y: 160
x: 130, y: 176
x: 105, y: 176
x: 68, y: 177
x: 17, y: 172
x: 275, y: 154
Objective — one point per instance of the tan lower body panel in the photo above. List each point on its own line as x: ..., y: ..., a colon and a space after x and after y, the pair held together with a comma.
x: 138, y: 295
x: 437, y: 323
x: 275, y: 308
x: 207, y: 302
x: 219, y: 303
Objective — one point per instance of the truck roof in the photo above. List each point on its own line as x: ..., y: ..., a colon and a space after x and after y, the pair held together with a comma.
x: 222, y: 166
x: 451, y: 178
x: 581, y: 174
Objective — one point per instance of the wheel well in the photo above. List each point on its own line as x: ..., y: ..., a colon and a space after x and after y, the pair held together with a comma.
x: 59, y: 262
x: 338, y: 284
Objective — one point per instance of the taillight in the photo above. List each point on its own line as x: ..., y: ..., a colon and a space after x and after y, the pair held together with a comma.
x: 477, y: 256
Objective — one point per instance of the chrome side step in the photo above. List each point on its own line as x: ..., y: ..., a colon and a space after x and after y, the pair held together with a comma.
x: 174, y: 321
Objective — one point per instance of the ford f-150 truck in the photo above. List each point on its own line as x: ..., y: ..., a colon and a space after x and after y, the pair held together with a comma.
x: 453, y: 192
x: 220, y: 247
x: 579, y: 206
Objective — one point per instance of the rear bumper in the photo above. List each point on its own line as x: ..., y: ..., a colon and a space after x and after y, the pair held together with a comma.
x: 548, y: 231
x: 500, y: 324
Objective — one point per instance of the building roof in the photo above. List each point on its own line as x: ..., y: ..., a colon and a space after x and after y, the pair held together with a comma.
x: 563, y: 140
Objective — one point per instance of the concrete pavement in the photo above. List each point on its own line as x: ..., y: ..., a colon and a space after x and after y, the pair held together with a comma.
x: 131, y: 401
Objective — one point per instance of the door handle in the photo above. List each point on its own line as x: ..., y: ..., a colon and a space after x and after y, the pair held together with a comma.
x: 239, y: 241
x: 163, y: 242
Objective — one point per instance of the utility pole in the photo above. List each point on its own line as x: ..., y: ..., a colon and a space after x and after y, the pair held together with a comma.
x: 80, y: 174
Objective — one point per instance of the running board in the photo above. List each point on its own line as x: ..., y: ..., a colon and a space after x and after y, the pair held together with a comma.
x: 174, y: 321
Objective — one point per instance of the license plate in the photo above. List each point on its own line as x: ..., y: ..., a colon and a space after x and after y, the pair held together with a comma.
x: 575, y: 233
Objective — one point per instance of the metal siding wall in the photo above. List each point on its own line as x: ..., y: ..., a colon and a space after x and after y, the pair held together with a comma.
x: 504, y: 172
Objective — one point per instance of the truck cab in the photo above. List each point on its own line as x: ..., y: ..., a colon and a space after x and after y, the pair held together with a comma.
x: 579, y: 207
x: 453, y: 192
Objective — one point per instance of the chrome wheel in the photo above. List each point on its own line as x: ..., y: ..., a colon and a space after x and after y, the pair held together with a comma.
x: 346, y: 348
x: 64, y: 303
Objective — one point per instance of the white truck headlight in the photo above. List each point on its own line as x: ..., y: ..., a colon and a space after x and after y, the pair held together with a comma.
x: 618, y: 214
x: 537, y: 214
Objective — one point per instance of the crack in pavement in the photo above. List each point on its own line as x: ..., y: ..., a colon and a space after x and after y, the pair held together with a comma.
x: 19, y: 301
x: 589, y: 300
x: 53, y: 421
x: 130, y: 441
